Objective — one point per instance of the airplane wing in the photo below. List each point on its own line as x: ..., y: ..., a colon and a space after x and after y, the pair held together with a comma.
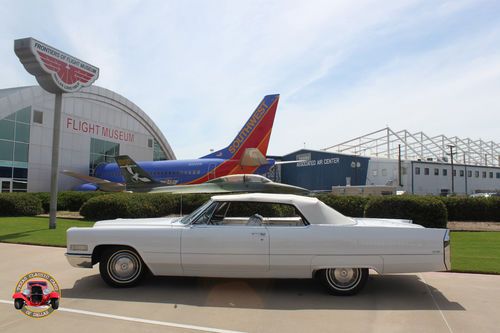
x: 104, y: 185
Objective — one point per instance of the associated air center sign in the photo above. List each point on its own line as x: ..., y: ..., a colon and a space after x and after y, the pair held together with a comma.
x: 55, y: 71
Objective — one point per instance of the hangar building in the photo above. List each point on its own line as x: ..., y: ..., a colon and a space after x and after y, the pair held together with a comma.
x: 96, y: 125
x: 412, y: 162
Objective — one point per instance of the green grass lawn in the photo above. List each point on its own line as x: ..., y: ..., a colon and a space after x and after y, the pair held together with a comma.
x: 475, y: 252
x: 35, y: 230
x: 470, y: 251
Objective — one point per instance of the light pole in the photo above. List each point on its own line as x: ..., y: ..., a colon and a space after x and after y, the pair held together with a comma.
x: 452, y: 169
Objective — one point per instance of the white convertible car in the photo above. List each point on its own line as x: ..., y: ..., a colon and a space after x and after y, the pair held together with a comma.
x: 259, y: 236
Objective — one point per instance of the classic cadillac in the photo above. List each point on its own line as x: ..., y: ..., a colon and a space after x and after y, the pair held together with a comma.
x: 259, y: 236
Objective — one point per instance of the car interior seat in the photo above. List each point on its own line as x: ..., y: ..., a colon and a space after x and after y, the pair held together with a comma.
x: 255, y: 220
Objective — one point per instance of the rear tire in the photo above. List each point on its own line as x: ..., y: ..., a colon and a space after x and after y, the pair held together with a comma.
x: 343, y: 281
x: 18, y: 303
x: 121, y: 267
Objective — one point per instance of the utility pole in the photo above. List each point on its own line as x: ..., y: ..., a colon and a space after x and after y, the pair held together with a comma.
x: 465, y: 167
x: 399, y: 167
x: 452, y: 170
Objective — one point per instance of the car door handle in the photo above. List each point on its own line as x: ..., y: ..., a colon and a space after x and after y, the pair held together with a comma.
x: 258, y: 233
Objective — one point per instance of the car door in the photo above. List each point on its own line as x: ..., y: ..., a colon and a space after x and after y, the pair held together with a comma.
x: 231, y: 248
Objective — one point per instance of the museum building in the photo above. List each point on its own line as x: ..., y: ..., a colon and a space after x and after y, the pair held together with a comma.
x: 96, y: 125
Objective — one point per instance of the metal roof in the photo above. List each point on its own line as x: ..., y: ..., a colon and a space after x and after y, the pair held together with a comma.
x: 420, y: 146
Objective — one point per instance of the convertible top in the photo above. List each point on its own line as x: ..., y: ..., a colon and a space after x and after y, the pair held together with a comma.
x: 314, y: 210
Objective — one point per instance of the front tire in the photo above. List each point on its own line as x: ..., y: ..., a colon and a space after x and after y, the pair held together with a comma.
x: 121, y: 267
x: 54, y: 302
x: 344, y: 281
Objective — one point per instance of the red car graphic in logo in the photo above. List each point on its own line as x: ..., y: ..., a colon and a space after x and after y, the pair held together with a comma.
x: 37, y: 295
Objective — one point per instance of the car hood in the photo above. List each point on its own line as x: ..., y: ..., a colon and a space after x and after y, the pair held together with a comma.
x: 154, y: 222
x: 394, y: 223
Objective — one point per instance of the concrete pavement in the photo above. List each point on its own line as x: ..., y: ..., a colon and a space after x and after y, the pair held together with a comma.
x: 427, y: 302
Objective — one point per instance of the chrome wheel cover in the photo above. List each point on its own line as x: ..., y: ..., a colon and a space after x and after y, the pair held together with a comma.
x: 343, y: 278
x: 124, y: 266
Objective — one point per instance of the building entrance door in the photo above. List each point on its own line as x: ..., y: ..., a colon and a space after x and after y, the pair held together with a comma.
x: 6, y: 185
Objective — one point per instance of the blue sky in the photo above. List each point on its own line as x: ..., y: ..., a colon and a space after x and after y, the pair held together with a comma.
x: 343, y: 68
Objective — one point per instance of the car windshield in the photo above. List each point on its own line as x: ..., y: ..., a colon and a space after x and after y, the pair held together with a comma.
x: 191, y: 217
x: 42, y: 283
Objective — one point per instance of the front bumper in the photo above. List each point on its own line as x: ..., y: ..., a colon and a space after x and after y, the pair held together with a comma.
x: 447, y: 250
x: 79, y: 260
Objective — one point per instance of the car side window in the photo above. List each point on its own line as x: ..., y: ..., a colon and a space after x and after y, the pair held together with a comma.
x: 236, y: 213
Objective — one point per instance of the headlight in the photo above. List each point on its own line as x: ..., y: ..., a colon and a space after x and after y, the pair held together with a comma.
x: 26, y: 292
x: 79, y: 247
x: 46, y: 292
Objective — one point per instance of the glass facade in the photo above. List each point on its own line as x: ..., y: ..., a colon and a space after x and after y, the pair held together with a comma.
x: 14, y: 151
x: 158, y: 153
x: 102, y: 151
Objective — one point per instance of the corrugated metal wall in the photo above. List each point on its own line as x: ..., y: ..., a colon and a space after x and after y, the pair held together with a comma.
x: 322, y: 170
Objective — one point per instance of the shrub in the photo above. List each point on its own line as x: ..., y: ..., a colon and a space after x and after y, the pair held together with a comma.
x: 74, y: 200
x: 472, y: 209
x: 129, y: 205
x: 353, y: 206
x: 44, y: 198
x: 427, y: 211
x: 189, y: 202
x: 19, y: 204
x: 67, y: 200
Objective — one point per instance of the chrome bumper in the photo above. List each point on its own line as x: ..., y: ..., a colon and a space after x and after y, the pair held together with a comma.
x: 79, y: 260
x: 447, y: 250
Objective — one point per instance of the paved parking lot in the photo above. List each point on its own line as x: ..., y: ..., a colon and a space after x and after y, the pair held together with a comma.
x: 427, y: 302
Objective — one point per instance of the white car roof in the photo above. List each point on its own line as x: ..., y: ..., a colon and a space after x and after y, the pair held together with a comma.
x: 314, y: 210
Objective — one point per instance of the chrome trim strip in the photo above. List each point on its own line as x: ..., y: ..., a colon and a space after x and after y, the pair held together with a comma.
x: 79, y: 260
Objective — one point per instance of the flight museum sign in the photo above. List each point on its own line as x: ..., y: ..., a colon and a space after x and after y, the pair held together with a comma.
x: 55, y: 71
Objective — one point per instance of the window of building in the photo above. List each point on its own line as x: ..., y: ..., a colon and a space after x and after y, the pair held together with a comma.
x: 491, y: 174
x: 426, y: 171
x: 150, y: 143
x: 498, y: 175
x: 384, y: 172
x: 445, y: 172
x: 454, y: 173
x: 476, y: 174
x: 158, y: 153
x: 417, y: 171
x: 484, y: 174
x: 102, y: 151
x: 462, y: 173
x: 14, y: 148
x: 469, y: 173
x: 436, y: 172
x: 374, y: 173
x: 403, y: 171
x: 37, y: 117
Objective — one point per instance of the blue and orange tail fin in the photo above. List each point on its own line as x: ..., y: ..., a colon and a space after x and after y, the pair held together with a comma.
x: 255, y: 133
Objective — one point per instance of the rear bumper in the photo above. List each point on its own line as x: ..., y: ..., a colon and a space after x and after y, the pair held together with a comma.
x: 79, y: 260
x: 447, y: 250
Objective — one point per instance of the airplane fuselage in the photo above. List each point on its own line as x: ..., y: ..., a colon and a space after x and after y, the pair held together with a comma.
x: 183, y: 172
